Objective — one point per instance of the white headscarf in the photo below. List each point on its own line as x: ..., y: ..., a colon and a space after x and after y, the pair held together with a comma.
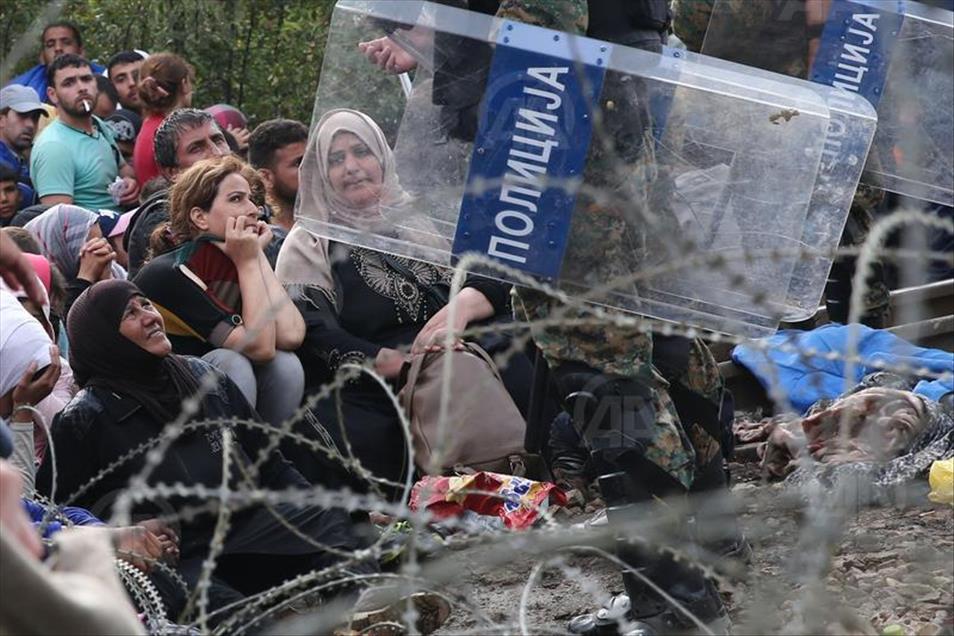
x: 320, y: 201
x: 21, y: 295
x: 304, y: 260
x: 22, y: 341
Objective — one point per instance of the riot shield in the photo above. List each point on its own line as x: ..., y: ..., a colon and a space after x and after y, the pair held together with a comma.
x: 667, y: 187
x: 852, y: 127
x: 897, y: 54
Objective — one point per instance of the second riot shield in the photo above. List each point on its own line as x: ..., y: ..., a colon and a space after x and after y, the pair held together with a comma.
x: 851, y: 129
x: 898, y: 54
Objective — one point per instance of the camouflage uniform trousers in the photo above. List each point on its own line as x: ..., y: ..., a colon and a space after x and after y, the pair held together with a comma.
x: 604, y: 246
x: 690, y: 19
x: 571, y: 16
x: 770, y: 34
x: 702, y: 377
x: 675, y: 446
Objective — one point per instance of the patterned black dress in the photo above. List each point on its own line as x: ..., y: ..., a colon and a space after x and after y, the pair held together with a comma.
x: 379, y: 306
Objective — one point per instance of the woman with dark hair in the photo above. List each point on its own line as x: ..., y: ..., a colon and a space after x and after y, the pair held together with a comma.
x: 218, y: 294
x: 133, y: 386
x: 165, y: 84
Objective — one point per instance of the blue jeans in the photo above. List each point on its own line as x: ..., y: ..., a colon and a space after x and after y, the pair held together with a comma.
x: 274, y: 389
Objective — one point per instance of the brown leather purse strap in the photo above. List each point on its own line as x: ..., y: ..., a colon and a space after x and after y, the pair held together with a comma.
x: 419, y: 361
x: 479, y: 351
x: 416, y: 364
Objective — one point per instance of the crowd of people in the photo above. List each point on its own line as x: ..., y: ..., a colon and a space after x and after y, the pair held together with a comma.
x: 157, y: 275
x: 167, y: 299
x: 145, y: 234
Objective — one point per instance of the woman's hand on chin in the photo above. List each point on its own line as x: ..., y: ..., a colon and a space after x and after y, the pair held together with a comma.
x: 264, y: 234
x: 242, y: 242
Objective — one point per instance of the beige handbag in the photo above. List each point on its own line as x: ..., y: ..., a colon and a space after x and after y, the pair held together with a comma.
x: 484, y: 429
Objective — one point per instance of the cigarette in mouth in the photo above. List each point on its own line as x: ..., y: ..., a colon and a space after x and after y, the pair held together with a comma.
x: 86, y: 105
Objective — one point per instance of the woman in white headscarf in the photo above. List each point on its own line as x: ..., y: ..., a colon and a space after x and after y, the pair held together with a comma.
x: 355, y: 186
x: 29, y: 370
x: 362, y: 305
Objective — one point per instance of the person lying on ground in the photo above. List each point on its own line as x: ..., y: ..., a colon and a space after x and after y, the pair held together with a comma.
x: 888, y: 431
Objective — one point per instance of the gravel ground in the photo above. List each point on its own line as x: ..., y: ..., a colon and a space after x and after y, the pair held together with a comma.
x: 890, y: 567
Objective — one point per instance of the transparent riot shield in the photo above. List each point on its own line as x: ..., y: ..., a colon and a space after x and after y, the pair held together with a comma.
x: 852, y: 127
x: 667, y: 187
x: 897, y: 54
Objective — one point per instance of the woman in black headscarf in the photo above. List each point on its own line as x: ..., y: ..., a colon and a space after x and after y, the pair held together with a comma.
x: 132, y: 388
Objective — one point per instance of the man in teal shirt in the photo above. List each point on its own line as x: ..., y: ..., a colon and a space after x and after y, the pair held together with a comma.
x: 75, y: 160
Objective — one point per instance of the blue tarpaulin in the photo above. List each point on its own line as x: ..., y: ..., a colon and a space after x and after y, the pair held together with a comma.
x: 805, y: 380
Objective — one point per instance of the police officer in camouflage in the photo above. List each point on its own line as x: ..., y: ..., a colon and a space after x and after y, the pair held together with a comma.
x: 652, y: 411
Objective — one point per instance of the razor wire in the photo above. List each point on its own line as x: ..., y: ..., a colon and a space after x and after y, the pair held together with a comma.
x: 825, y: 521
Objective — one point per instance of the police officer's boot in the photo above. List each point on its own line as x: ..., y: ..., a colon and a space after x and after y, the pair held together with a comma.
x: 566, y: 454
x: 615, y: 416
x: 718, y: 531
x: 641, y: 611
x: 710, y: 429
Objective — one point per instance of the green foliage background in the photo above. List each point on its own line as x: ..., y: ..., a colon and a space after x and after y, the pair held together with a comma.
x: 262, y: 56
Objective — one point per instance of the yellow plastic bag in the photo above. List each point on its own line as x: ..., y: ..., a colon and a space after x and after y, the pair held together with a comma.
x: 941, y: 479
